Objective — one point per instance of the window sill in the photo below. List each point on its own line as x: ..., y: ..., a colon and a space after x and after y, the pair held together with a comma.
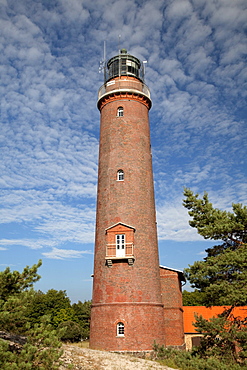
x: 130, y: 259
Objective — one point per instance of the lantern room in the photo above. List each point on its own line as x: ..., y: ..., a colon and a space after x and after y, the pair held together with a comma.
x: 124, y: 64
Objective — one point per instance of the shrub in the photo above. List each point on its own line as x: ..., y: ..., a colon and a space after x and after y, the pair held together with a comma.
x: 40, y: 352
x: 191, y: 361
x: 72, y: 331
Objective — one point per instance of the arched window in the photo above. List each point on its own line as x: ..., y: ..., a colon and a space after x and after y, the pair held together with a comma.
x: 120, y: 175
x: 120, y: 329
x: 120, y: 112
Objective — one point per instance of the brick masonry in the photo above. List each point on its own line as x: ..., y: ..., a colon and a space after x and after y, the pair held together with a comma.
x: 173, y: 307
x: 126, y: 293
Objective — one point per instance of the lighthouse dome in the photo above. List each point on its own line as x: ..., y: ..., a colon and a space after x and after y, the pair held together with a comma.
x: 124, y: 64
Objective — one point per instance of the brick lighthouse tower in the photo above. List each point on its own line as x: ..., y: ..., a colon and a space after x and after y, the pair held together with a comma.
x: 127, y: 309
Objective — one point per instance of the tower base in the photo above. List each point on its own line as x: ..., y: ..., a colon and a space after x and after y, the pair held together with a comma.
x: 143, y: 325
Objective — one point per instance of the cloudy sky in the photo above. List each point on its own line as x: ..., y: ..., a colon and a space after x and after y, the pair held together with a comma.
x: 50, y: 52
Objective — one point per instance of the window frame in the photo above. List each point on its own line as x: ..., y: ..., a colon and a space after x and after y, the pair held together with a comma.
x: 120, y: 240
x: 120, y: 175
x: 120, y: 329
x: 120, y: 112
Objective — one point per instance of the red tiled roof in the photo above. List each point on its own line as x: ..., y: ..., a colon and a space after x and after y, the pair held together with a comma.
x: 207, y: 313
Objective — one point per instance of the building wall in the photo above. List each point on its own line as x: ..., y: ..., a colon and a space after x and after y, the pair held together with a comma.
x: 142, y: 327
x: 192, y: 337
x: 192, y: 340
x: 123, y: 292
x: 173, y: 307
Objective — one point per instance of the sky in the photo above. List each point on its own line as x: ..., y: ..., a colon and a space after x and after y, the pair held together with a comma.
x: 50, y: 52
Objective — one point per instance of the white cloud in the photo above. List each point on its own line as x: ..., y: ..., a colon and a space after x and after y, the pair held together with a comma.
x: 173, y: 222
x: 179, y: 9
x: 61, y: 254
x: 49, y: 124
x: 202, y: 254
x: 30, y: 243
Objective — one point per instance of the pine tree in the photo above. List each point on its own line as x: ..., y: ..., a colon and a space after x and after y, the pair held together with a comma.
x: 221, y: 276
x: 82, y: 313
x: 39, y: 347
x: 195, y: 298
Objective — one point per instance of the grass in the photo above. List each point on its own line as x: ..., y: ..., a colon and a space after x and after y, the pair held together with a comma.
x: 84, y: 344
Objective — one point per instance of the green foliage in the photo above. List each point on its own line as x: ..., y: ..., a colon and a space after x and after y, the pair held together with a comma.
x: 41, y: 317
x: 57, y: 305
x: 82, y: 313
x: 195, y: 298
x: 12, y: 283
x: 54, y: 303
x: 42, y: 347
x: 212, y: 223
x: 221, y: 277
x: 41, y: 350
x: 225, y: 337
x: 192, y: 361
x: 65, y: 314
x: 7, y: 358
x: 72, y: 333
x: 14, y: 312
x: 82, y: 310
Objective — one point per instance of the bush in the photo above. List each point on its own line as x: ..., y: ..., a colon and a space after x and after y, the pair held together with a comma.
x: 41, y: 351
x: 191, y: 361
x: 72, y: 331
x: 25, y: 345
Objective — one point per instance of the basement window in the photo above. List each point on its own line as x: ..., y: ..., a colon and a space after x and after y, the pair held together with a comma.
x: 120, y: 329
x: 120, y: 112
x: 120, y: 175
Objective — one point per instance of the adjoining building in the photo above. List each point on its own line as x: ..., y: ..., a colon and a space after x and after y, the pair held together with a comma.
x: 192, y: 337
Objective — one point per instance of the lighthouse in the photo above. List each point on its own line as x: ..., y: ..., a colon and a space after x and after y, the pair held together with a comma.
x: 127, y: 309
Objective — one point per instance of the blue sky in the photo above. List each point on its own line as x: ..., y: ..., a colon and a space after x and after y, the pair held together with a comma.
x: 50, y: 52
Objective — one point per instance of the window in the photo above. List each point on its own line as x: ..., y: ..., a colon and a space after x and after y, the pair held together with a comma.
x: 120, y: 241
x: 120, y: 112
x: 120, y: 245
x: 120, y: 329
x: 120, y: 175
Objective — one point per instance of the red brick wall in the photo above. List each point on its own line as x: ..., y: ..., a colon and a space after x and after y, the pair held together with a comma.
x: 141, y: 327
x: 125, y: 292
x: 173, y: 307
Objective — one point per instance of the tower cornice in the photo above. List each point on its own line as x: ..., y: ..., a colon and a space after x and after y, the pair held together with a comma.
x: 121, y: 88
x: 124, y: 95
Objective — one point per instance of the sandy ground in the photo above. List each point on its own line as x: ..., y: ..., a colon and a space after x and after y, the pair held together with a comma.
x: 87, y: 359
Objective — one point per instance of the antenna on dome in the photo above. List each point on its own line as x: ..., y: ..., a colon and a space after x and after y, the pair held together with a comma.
x: 119, y: 62
x: 119, y: 38
x: 104, y: 50
x: 143, y: 63
x: 102, y: 64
